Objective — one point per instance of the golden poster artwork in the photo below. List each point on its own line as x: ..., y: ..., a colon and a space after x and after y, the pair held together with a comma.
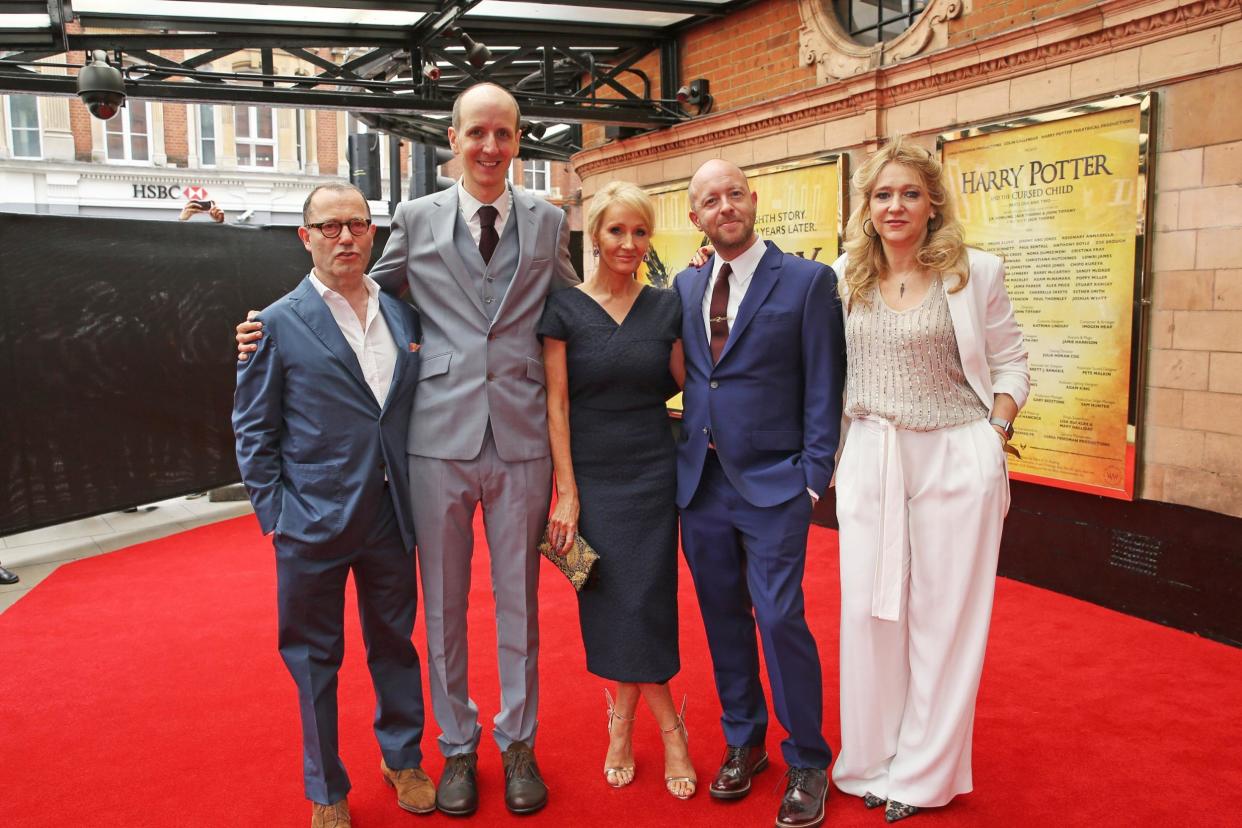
x: 1058, y: 201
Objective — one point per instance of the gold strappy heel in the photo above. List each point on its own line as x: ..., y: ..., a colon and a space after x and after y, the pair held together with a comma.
x: 670, y: 781
x: 614, y: 775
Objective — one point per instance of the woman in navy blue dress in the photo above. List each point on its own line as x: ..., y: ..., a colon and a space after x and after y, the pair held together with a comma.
x: 612, y: 353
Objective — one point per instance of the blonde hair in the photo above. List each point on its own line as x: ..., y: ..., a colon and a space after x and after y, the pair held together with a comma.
x: 625, y: 194
x: 944, y: 248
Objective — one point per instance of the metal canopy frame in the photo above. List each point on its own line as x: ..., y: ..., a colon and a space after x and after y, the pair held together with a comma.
x: 556, y: 64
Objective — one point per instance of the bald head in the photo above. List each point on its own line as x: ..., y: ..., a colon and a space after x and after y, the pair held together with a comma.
x: 484, y: 94
x: 723, y: 207
x: 714, y: 169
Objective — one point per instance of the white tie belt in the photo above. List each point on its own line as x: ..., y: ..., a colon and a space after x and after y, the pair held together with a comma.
x: 890, y: 559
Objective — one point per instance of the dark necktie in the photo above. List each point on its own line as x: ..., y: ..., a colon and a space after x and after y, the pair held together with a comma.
x: 488, y: 237
x: 718, y: 312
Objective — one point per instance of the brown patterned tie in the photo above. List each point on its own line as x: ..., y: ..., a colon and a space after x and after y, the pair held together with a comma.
x: 718, y: 312
x: 488, y: 237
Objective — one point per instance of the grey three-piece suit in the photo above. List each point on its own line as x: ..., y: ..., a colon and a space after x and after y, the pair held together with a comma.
x: 478, y: 435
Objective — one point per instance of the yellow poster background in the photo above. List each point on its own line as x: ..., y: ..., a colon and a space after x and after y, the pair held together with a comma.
x: 1062, y: 203
x: 799, y: 209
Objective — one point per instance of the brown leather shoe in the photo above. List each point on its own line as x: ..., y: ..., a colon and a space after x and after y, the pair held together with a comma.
x: 335, y: 815
x: 803, y: 804
x: 740, y: 763
x: 458, y: 791
x: 525, y: 791
x: 415, y: 792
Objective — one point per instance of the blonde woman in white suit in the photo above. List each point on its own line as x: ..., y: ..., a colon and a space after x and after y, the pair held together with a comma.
x: 937, y: 372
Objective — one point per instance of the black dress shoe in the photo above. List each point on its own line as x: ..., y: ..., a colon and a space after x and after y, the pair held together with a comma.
x: 458, y: 791
x: 803, y: 805
x: 525, y: 791
x: 7, y: 578
x: 740, y: 763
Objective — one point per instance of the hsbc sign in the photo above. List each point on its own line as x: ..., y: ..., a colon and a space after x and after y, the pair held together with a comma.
x: 170, y: 191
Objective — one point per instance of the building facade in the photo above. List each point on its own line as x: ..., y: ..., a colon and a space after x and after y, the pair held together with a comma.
x: 794, y: 79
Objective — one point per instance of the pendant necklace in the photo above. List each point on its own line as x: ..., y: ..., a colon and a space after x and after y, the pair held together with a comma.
x: 902, y: 290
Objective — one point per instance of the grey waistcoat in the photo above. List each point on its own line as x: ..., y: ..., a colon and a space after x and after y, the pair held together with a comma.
x: 493, y: 282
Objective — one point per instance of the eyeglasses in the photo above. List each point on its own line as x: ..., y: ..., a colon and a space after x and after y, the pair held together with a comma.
x: 332, y: 229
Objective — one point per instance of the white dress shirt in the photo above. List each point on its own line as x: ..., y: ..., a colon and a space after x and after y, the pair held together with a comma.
x: 469, y: 206
x: 373, y: 343
x: 739, y: 280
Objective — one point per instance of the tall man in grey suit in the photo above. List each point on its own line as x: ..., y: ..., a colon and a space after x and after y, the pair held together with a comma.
x: 479, y: 259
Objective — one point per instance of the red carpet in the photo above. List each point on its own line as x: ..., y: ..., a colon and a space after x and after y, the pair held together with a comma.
x: 143, y: 688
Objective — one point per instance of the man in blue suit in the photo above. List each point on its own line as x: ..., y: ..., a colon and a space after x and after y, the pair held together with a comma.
x: 765, y: 368
x: 320, y: 416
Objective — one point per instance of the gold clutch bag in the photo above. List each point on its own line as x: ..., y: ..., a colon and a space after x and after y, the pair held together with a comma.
x: 576, y: 564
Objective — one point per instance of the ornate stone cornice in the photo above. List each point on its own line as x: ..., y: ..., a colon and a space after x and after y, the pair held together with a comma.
x: 824, y: 43
x: 1112, y: 26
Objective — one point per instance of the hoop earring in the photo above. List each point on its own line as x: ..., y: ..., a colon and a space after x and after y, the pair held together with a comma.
x: 873, y: 234
x: 935, y: 223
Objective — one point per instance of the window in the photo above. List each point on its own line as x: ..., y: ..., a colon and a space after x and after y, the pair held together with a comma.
x: 127, y: 136
x: 255, y: 127
x: 871, y: 21
x: 536, y: 176
x: 206, y: 135
x: 299, y: 122
x: 24, y: 135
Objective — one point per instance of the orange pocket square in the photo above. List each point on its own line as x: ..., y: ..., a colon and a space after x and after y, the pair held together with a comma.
x: 414, y: 346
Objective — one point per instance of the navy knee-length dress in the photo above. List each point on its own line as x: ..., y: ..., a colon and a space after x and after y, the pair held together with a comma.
x: 625, y: 465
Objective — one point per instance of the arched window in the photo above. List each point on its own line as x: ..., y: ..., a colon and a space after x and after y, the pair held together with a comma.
x: 872, y: 21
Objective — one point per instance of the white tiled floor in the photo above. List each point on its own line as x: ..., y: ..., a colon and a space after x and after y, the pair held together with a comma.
x: 34, y: 555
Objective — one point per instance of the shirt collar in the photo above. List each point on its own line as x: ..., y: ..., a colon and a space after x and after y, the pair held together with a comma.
x: 371, y: 285
x: 470, y: 205
x: 745, y: 264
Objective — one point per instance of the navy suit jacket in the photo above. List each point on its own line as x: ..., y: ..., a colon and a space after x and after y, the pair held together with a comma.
x: 772, y: 405
x: 313, y: 445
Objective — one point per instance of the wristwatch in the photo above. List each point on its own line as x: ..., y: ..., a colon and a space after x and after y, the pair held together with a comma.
x: 1003, y: 425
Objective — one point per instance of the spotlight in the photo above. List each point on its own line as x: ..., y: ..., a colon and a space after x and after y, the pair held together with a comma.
x: 476, y: 53
x: 696, y: 93
x: 534, y: 129
x: 431, y: 72
x: 101, y: 87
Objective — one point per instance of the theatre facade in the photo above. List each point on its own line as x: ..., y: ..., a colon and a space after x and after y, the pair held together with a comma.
x: 1097, y: 146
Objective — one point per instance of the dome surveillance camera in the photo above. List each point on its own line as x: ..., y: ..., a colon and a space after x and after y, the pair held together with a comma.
x: 101, y: 87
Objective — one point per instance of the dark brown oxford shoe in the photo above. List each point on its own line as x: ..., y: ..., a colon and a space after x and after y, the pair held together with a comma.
x: 525, y: 791
x: 458, y: 791
x: 803, y: 804
x: 740, y: 763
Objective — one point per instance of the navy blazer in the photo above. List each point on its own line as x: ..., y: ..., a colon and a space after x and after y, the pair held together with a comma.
x: 772, y: 405
x: 313, y: 445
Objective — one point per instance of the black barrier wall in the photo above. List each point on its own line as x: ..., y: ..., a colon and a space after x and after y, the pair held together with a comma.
x: 117, y: 356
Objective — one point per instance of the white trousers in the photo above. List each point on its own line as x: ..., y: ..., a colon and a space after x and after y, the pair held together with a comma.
x: 920, y: 517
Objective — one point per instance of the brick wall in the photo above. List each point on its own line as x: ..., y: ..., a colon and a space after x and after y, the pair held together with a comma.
x: 1192, y: 443
x: 325, y: 141
x: 80, y: 124
x: 749, y: 56
x: 988, y: 17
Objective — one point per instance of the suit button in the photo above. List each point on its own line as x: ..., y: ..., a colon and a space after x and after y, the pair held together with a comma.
x: 704, y: 429
x: 714, y: 384
x: 491, y: 278
x: 487, y: 299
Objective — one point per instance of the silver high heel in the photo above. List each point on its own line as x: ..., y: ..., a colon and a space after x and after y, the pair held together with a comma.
x: 670, y: 781
x: 620, y: 771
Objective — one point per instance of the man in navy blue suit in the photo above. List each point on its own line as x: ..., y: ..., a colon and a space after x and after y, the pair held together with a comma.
x: 765, y: 368
x: 320, y: 415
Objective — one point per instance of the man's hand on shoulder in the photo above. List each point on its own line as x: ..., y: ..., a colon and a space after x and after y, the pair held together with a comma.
x: 248, y: 335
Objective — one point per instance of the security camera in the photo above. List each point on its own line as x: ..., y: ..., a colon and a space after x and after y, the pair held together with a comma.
x: 101, y: 87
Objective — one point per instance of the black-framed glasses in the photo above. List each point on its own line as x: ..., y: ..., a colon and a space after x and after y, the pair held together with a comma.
x: 332, y: 229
